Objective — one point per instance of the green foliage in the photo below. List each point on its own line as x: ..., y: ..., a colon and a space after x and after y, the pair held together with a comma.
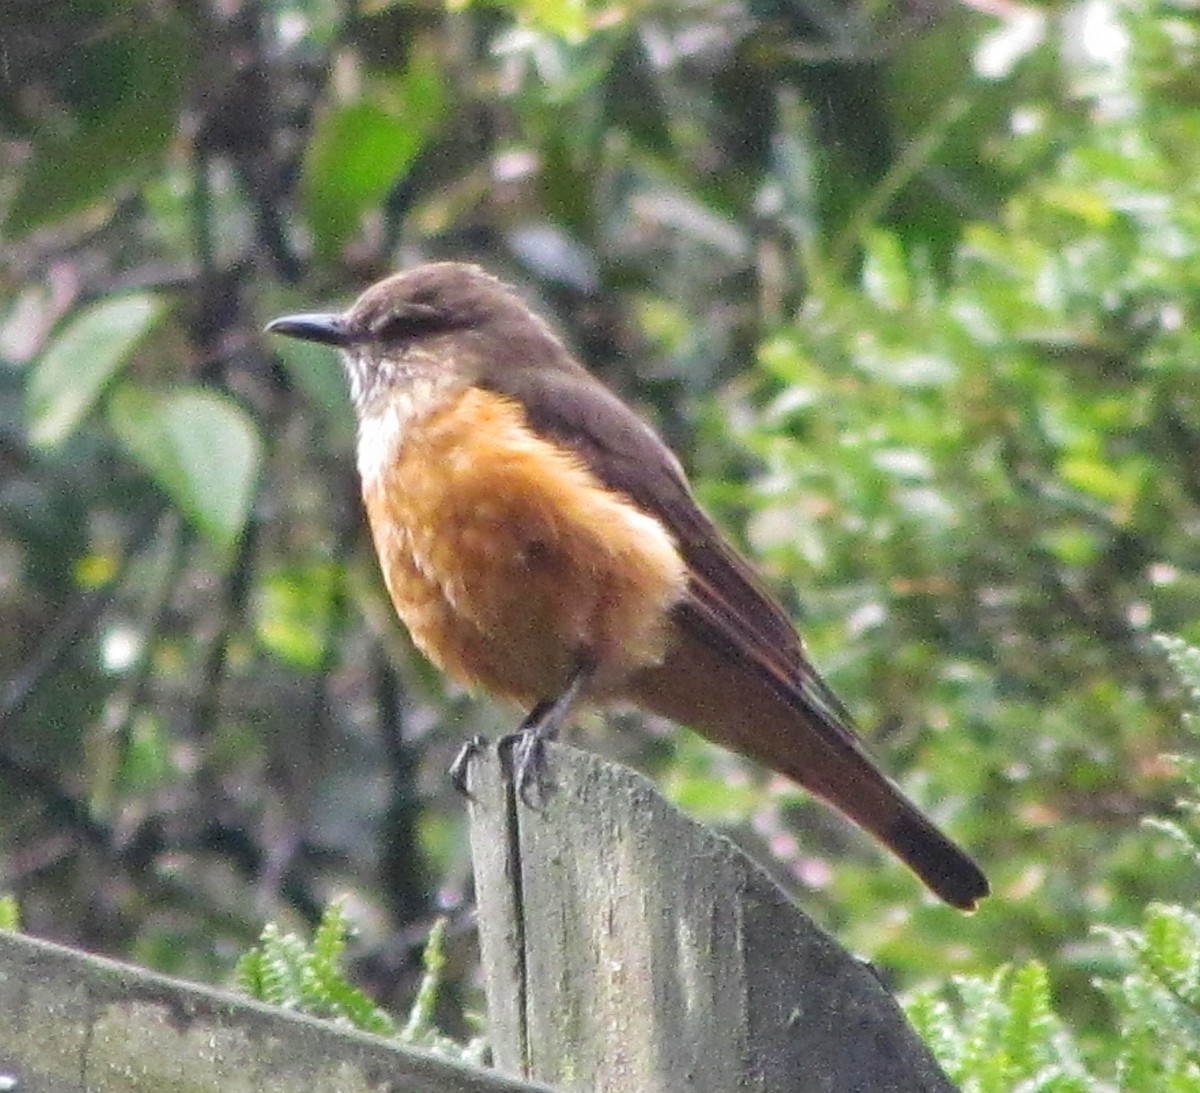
x: 80, y: 362
x: 360, y: 150
x: 200, y: 447
x: 284, y: 970
x: 1158, y: 1001
x: 1004, y: 1033
x: 294, y: 613
x: 972, y: 461
x: 1185, y: 659
x: 1001, y: 1034
x: 568, y: 19
x: 421, y: 1028
x: 124, y: 85
x: 10, y: 913
x: 914, y: 299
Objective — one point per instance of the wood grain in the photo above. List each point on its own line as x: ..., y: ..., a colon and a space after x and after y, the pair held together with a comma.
x: 628, y: 949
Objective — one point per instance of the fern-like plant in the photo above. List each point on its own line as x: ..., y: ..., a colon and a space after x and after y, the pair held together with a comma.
x: 10, y: 915
x: 1001, y: 1034
x: 284, y: 970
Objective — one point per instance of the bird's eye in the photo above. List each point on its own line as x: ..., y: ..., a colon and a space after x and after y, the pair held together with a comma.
x: 413, y: 320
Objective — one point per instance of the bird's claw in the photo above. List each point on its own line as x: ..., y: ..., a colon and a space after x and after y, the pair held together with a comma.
x: 529, y: 765
x: 461, y: 764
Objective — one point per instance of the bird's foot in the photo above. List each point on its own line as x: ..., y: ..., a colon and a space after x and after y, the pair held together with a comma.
x: 461, y: 764
x: 528, y: 746
x: 542, y: 724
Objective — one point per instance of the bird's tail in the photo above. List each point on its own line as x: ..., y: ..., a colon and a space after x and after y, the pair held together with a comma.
x: 732, y: 703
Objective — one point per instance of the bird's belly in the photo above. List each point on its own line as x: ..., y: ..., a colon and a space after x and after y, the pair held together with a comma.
x: 508, y: 561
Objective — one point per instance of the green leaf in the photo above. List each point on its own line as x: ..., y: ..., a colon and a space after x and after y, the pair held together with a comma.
x: 569, y: 20
x: 294, y: 612
x: 250, y: 974
x: 421, y: 1017
x: 360, y: 151
x: 566, y: 18
x: 147, y: 760
x: 284, y: 970
x: 79, y: 363
x: 316, y: 372
x: 1099, y: 479
x: 133, y: 84
x: 10, y: 914
x: 329, y: 942
x: 1026, y: 1034
x: 885, y: 275
x: 200, y: 447
x: 1185, y: 659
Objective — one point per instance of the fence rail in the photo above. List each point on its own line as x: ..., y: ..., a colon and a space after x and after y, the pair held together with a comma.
x: 73, y: 1023
x: 626, y: 949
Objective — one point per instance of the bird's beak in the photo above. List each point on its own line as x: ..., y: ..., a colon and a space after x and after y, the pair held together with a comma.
x: 314, y: 327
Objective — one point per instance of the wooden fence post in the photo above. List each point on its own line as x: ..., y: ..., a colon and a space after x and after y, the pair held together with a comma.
x: 628, y: 949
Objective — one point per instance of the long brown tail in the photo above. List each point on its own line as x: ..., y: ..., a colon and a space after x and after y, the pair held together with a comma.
x: 731, y: 703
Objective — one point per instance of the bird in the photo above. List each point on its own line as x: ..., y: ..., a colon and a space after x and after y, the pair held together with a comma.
x: 542, y: 544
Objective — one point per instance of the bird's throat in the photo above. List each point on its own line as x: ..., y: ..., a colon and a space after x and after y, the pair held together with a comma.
x: 384, y: 423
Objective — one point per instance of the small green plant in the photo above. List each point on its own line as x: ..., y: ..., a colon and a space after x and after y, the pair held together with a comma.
x: 284, y: 970
x: 10, y: 914
x: 1158, y: 1000
x: 1002, y: 1034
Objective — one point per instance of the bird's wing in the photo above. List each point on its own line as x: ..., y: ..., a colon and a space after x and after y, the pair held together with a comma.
x: 726, y: 607
x: 728, y: 612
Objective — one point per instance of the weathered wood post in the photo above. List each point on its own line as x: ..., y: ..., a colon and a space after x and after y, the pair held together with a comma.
x: 74, y: 1023
x: 628, y: 949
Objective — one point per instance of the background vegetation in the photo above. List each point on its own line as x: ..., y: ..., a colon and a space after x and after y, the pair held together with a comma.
x: 911, y: 288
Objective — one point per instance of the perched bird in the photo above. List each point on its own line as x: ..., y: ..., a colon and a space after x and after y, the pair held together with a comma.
x: 541, y: 542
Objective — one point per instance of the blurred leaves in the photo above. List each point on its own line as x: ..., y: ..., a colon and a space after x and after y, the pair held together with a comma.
x: 1004, y: 1032
x: 294, y: 613
x: 200, y: 447
x: 1002, y: 1035
x: 106, y: 110
x: 81, y: 361
x: 912, y: 293
x: 10, y: 913
x: 361, y: 150
x: 285, y: 970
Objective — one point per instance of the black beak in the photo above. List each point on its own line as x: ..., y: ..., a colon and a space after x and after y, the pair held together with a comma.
x: 315, y: 327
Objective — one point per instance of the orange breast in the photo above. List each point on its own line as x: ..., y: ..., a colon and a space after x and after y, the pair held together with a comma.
x: 506, y: 558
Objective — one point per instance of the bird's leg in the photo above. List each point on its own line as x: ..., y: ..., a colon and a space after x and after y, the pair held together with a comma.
x: 457, y: 771
x: 542, y: 724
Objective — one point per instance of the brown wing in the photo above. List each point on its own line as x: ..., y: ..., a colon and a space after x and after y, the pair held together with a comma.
x: 727, y: 606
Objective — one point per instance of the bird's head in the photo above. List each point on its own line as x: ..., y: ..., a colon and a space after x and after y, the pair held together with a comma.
x: 445, y: 320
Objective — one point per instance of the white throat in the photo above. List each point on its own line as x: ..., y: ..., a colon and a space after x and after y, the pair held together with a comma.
x: 383, y: 424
